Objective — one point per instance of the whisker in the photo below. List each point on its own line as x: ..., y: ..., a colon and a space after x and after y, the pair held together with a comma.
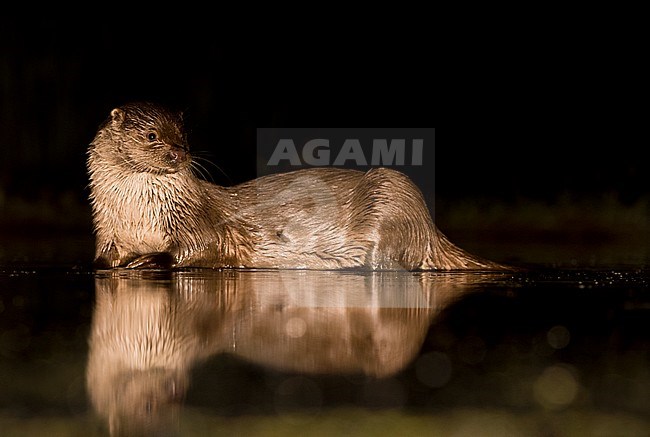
x: 195, y: 172
x: 203, y: 173
x: 198, y: 157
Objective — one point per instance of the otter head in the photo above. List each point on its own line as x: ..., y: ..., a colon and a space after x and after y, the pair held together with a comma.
x: 144, y: 137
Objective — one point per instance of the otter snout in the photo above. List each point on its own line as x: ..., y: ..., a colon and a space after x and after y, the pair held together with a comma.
x: 178, y: 154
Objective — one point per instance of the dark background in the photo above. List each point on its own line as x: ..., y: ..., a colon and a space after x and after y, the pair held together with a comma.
x: 519, y: 121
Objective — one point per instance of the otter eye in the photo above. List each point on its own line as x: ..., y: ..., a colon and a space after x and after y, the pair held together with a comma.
x: 151, y: 136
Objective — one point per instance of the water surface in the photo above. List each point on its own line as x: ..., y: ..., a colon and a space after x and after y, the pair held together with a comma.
x: 554, y: 352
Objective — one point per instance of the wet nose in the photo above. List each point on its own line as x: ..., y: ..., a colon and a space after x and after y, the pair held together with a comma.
x: 178, y: 153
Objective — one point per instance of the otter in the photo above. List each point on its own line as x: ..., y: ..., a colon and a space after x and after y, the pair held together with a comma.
x: 150, y: 209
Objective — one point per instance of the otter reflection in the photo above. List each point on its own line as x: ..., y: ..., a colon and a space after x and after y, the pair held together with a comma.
x: 149, y: 329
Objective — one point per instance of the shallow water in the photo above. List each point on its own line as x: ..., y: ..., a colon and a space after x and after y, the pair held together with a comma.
x: 546, y: 351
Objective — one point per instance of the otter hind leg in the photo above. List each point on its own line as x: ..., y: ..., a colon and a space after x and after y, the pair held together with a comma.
x: 400, y: 224
x: 406, y: 235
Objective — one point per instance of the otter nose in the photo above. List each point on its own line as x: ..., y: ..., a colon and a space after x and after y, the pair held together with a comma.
x: 177, y: 153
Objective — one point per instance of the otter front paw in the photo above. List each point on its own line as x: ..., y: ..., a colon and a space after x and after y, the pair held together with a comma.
x: 156, y: 260
x: 107, y: 259
x: 104, y: 263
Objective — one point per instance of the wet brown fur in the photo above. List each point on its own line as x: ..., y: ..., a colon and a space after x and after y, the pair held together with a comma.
x: 146, y: 200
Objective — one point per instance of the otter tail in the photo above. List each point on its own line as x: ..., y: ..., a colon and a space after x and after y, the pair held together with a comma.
x: 442, y: 254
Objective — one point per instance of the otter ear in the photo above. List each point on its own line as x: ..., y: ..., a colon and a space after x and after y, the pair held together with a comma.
x: 117, y: 116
